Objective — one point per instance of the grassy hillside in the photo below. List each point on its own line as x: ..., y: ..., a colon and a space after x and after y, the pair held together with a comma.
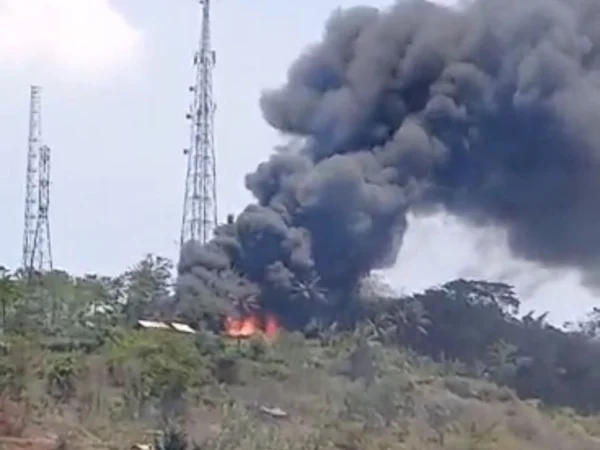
x: 345, y: 394
x: 74, y: 373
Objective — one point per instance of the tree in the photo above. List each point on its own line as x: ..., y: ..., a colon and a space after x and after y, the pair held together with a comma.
x: 475, y: 322
x: 588, y: 326
x: 405, y: 321
x: 11, y: 292
x: 159, y: 366
x: 147, y: 284
x: 501, y: 362
x: 100, y: 299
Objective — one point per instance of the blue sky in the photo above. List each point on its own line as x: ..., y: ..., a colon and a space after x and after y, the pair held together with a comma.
x: 115, y: 76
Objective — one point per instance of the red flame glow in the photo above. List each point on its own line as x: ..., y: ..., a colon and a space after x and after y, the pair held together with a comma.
x: 250, y: 326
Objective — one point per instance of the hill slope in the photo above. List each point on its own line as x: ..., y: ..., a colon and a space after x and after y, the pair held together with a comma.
x: 342, y: 394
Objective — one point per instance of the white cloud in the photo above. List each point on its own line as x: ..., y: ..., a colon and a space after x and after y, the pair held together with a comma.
x: 80, y: 37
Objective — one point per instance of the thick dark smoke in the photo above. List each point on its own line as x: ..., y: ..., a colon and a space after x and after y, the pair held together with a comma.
x: 490, y: 111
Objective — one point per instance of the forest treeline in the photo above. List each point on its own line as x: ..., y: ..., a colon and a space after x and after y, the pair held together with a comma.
x: 475, y: 324
x: 478, y: 324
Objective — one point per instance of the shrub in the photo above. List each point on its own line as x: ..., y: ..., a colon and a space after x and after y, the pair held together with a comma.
x: 60, y: 376
x: 157, y: 365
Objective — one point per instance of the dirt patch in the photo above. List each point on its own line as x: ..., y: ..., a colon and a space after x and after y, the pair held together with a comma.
x: 14, y: 434
x: 12, y: 418
x: 17, y: 443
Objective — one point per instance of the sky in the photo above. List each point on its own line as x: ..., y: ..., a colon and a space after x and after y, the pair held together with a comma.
x: 115, y: 77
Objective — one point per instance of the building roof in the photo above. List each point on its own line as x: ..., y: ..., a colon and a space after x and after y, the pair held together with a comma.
x: 141, y: 447
x: 153, y: 324
x: 182, y: 327
x: 175, y: 326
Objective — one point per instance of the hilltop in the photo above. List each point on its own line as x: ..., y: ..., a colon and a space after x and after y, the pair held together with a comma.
x: 452, y: 368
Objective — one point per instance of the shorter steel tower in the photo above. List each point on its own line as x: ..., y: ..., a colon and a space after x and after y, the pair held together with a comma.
x: 37, y: 253
x: 200, y: 198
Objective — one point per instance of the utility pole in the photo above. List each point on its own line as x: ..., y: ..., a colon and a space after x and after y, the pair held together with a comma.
x: 37, y: 254
x: 200, y: 198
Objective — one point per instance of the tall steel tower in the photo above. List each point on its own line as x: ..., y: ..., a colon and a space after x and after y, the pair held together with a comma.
x: 37, y: 254
x: 200, y: 198
x: 43, y: 245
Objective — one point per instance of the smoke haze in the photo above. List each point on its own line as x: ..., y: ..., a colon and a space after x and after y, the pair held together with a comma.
x: 490, y: 112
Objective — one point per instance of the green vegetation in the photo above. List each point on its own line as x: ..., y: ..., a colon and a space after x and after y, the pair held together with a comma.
x: 451, y: 368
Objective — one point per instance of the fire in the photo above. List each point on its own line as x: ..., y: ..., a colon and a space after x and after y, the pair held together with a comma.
x: 250, y: 326
x: 271, y: 327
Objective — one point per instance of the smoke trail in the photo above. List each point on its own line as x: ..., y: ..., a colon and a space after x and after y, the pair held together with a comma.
x: 491, y: 112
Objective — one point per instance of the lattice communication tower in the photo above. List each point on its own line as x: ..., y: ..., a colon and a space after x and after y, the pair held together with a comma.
x: 200, y: 198
x: 37, y: 249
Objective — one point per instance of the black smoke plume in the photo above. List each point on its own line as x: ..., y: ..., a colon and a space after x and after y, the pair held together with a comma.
x: 490, y: 110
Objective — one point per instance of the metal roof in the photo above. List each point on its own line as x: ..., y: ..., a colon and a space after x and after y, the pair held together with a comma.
x: 153, y: 324
x: 182, y: 327
x: 176, y: 326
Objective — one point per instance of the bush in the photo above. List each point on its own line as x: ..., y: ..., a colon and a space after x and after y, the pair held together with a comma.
x: 157, y: 365
x: 20, y: 362
x: 60, y: 376
x: 172, y: 439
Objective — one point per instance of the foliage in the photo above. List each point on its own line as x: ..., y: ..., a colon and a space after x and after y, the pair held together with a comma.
x: 156, y: 365
x: 21, y: 359
x: 390, y: 395
x: 475, y: 322
x: 171, y: 439
x: 58, y: 303
x: 11, y: 292
x: 457, y: 331
x: 146, y: 287
x: 60, y: 373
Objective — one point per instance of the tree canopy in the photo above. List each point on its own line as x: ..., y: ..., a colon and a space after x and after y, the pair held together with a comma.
x: 474, y: 322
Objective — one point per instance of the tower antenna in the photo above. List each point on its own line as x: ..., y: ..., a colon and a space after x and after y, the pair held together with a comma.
x: 37, y: 254
x: 200, y: 198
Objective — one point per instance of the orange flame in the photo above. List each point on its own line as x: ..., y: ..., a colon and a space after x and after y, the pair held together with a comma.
x: 250, y: 326
x: 271, y: 328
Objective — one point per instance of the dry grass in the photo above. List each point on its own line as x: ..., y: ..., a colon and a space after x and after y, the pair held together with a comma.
x: 405, y: 408
x: 408, y: 406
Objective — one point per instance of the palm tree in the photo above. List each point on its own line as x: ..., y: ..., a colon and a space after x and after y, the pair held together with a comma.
x: 406, y: 320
